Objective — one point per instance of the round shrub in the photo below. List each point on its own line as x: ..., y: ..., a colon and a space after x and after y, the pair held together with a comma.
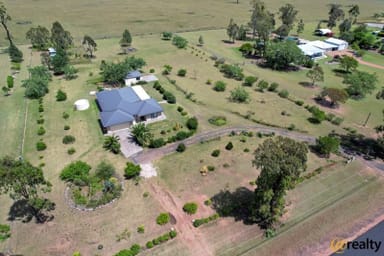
x: 215, y: 153
x: 192, y: 123
x: 41, y: 108
x: 135, y: 249
x: 182, y: 72
x: 273, y: 87
x: 67, y: 127
x: 211, y: 168
x: 61, y: 96
x: 157, y: 143
x: 40, y: 121
x: 68, y: 139
x: 284, y: 94
x: 40, y: 146
x: 229, y: 146
x: 41, y: 131
x: 249, y: 80
x: 149, y: 244
x: 219, y: 86
x: 65, y: 115
x: 152, y: 70
x: 181, y: 147
x: 180, y: 109
x: 190, y: 208
x: 163, y: 218
x: 169, y: 97
x: 140, y: 229
x: 71, y: 151
x: 172, y: 233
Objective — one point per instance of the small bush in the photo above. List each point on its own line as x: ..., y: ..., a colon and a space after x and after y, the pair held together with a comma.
x: 273, y: 87
x: 184, y: 113
x: 140, y: 229
x: 215, y: 153
x: 211, y: 168
x: 190, y: 208
x: 131, y: 170
x: 163, y: 218
x: 337, y: 121
x: 41, y: 131
x: 262, y: 85
x: 145, y: 194
x: 152, y: 70
x: 66, y: 127
x: 219, y: 86
x: 208, y: 202
x: 135, y: 249
x: 192, y: 123
x: 246, y: 150
x: 229, y: 146
x: 40, y: 121
x: 65, y: 115
x: 41, y: 108
x: 181, y: 147
x: 181, y: 135
x: 250, y: 80
x: 299, y: 102
x: 218, y: 120
x: 71, y: 151
x: 149, y: 244
x: 68, y: 139
x: 284, y: 94
x: 182, y: 72
x: 180, y: 109
x: 61, y: 96
x: 209, y: 81
x: 169, y: 97
x: 157, y: 143
x: 173, y: 234
x: 40, y: 146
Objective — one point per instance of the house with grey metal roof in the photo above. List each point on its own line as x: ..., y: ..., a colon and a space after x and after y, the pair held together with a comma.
x: 121, y: 108
x: 132, y: 77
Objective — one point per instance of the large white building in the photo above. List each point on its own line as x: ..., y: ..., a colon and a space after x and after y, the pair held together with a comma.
x: 341, y: 44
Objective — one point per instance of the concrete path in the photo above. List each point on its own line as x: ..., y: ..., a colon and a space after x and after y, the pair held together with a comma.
x: 128, y: 146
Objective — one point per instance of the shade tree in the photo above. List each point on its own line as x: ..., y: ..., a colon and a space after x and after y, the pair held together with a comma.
x: 89, y: 45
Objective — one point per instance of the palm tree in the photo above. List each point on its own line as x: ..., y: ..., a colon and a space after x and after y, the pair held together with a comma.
x: 112, y: 144
x: 142, y: 134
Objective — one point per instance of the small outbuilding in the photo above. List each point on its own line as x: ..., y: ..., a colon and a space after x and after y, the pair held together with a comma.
x: 132, y: 77
x: 341, y: 44
x: 311, y: 51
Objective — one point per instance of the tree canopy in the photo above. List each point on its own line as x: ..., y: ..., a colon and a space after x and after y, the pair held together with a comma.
x: 348, y: 63
x: 114, y: 73
x: 281, y: 55
x: 360, y: 83
x: 281, y: 161
x: 89, y: 45
x: 336, y: 95
x: 39, y: 37
x: 335, y: 13
x: 326, y: 145
x: 37, y: 85
x: 142, y: 134
x: 288, y: 15
x: 316, y: 74
x: 60, y: 38
x: 22, y: 181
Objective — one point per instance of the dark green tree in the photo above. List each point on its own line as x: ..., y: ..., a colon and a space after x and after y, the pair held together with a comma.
x: 24, y: 182
x: 39, y: 37
x: 316, y: 74
x: 348, y: 63
x: 60, y: 38
x: 112, y: 143
x: 126, y: 41
x: 345, y: 26
x: 59, y: 62
x: 360, y: 84
x: 336, y: 95
x: 281, y: 161
x: 201, y: 41
x: 326, y: 145
x: 232, y: 30
x: 89, y: 45
x: 354, y: 12
x: 288, y: 15
x: 280, y: 55
x: 179, y: 42
x: 300, y: 27
x: 335, y: 13
x: 142, y: 134
x: 4, y: 19
x: 131, y: 170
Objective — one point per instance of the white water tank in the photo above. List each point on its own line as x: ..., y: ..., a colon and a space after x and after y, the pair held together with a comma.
x: 82, y: 104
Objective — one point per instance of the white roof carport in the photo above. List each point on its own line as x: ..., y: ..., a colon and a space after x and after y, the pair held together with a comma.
x: 322, y: 45
x: 310, y: 50
x: 140, y: 92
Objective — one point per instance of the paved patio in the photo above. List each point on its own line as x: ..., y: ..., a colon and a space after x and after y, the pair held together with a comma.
x: 149, y: 78
x: 129, y: 146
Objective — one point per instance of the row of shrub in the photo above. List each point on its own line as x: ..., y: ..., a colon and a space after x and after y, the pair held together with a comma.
x: 161, y: 239
x: 40, y: 145
x: 168, y: 96
x: 199, y: 222
x: 181, y: 135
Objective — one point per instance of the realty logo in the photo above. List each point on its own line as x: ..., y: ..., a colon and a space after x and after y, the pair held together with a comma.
x: 339, y: 245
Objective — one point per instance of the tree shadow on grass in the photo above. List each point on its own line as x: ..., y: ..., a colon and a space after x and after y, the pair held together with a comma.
x: 307, y: 84
x: 22, y: 211
x: 234, y: 204
x: 340, y: 72
x: 227, y: 41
